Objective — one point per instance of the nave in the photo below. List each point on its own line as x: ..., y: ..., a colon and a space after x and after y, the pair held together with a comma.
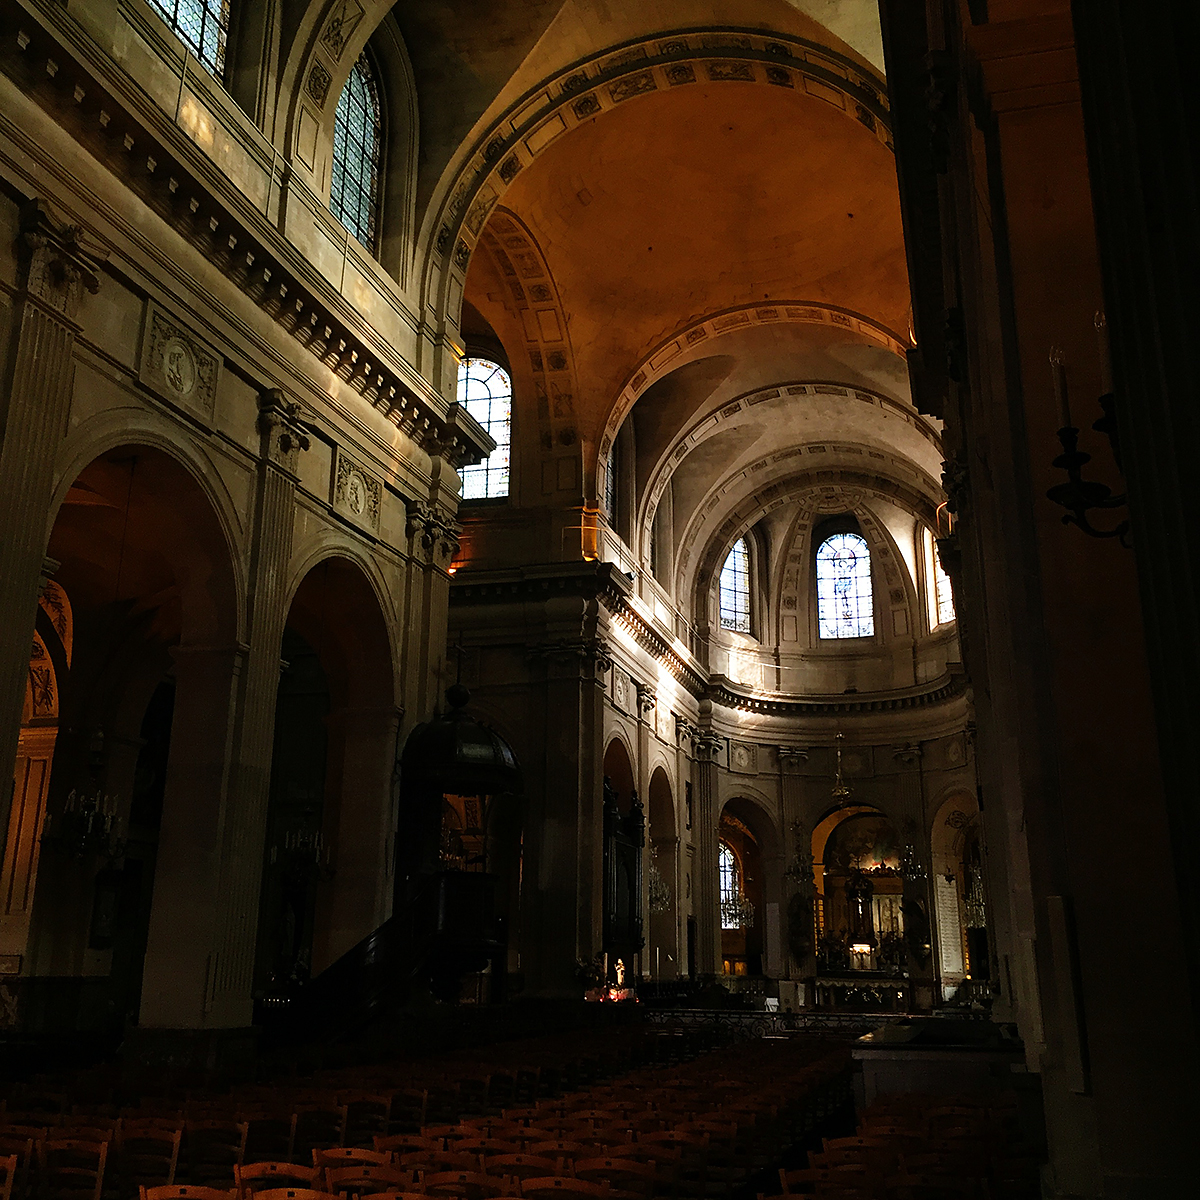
x: 620, y: 1109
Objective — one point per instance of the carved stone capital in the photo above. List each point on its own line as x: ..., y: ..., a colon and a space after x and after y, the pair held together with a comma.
x: 57, y: 268
x: 435, y: 531
x: 590, y: 652
x: 909, y: 754
x: 792, y: 756
x: 708, y: 746
x: 647, y: 697
x: 685, y: 730
x: 955, y: 483
x: 282, y: 431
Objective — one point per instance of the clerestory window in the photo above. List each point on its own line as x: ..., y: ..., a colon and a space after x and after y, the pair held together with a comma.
x: 357, y: 154
x: 939, y: 594
x: 845, y: 606
x: 485, y: 390
x: 735, y: 589
x: 202, y: 26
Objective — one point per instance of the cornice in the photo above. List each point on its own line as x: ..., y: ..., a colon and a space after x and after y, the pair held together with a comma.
x: 605, y: 583
x: 63, y: 72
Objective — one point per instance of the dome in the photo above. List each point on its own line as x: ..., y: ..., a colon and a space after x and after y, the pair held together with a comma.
x: 456, y: 753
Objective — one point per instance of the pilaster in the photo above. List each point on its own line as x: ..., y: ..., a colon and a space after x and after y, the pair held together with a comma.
x: 35, y: 398
x: 705, y: 879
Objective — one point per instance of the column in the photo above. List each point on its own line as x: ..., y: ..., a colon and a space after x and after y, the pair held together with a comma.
x: 705, y: 880
x: 563, y: 877
x: 799, y: 925
x: 55, y: 272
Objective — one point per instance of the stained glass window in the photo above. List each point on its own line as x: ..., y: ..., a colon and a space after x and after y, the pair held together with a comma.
x: 938, y: 592
x: 202, y: 26
x: 486, y: 392
x: 357, y: 150
x: 844, y: 604
x: 735, y: 589
x: 727, y: 862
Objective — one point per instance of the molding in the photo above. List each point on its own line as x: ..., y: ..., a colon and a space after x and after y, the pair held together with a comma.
x: 152, y: 156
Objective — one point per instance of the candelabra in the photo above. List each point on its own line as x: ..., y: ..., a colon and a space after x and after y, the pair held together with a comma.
x: 88, y: 825
x: 736, y: 912
x: 660, y: 890
x: 1081, y: 496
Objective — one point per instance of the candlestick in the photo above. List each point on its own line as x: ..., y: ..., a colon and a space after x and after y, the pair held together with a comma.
x: 1058, y: 371
x: 1102, y: 344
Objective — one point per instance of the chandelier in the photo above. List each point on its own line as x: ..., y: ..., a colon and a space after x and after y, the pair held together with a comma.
x: 736, y: 912
x: 88, y: 824
x: 660, y: 890
x: 841, y: 790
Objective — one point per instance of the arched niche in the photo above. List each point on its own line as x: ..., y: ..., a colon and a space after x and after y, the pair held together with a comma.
x: 148, y: 578
x: 618, y: 770
x: 857, y: 856
x: 663, y: 879
x: 330, y: 813
x: 754, y: 949
x: 959, y: 893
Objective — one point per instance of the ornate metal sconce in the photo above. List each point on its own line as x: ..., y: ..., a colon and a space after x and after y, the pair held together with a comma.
x: 1081, y: 496
x: 89, y: 823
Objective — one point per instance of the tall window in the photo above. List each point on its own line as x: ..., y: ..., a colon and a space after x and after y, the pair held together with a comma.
x: 611, y: 466
x: 357, y: 151
x: 485, y: 391
x: 202, y: 26
x: 730, y: 885
x: 844, y: 604
x: 735, y: 589
x: 939, y: 595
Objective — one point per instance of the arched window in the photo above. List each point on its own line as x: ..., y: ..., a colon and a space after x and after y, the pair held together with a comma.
x: 735, y: 589
x: 731, y: 887
x: 202, y: 26
x: 844, y: 603
x: 357, y: 153
x: 485, y: 391
x: 939, y: 595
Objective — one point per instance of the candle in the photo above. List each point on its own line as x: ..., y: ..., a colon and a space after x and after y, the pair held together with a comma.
x: 1059, y: 372
x: 1106, y: 384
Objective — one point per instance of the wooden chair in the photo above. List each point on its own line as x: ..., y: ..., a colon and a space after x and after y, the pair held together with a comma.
x: 317, y: 1127
x: 8, y: 1175
x: 368, y: 1115
x: 361, y: 1178
x: 212, y: 1149
x: 185, y: 1191
x: 147, y: 1154
x: 294, y: 1194
x: 395, y: 1196
x: 521, y: 1166
x: 71, y: 1170
x: 468, y: 1185
x: 563, y: 1185
x: 402, y: 1143
x: 260, y: 1176
x: 270, y: 1136
x: 626, y: 1174
x: 346, y: 1156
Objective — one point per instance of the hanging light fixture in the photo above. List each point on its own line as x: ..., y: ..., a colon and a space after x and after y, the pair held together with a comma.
x: 736, y: 912
x: 841, y: 790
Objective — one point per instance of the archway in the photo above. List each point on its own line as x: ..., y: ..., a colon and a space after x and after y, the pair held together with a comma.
x: 623, y: 926
x: 144, y: 579
x: 618, y: 771
x: 663, y: 880
x: 959, y: 895
x: 330, y: 813
x: 749, y: 890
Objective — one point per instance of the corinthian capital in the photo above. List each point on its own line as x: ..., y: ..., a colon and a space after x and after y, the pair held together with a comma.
x: 57, y: 266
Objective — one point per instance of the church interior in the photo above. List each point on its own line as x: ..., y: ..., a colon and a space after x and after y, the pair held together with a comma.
x: 597, y: 597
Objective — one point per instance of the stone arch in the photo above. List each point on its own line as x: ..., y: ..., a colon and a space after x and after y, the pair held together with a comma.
x: 619, y: 760
x: 601, y: 82
x: 663, y: 956
x: 956, y: 818
x: 760, y: 857
x: 330, y: 37
x: 784, y: 491
x: 143, y: 538
x: 335, y: 746
x: 113, y: 431
x: 543, y: 367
